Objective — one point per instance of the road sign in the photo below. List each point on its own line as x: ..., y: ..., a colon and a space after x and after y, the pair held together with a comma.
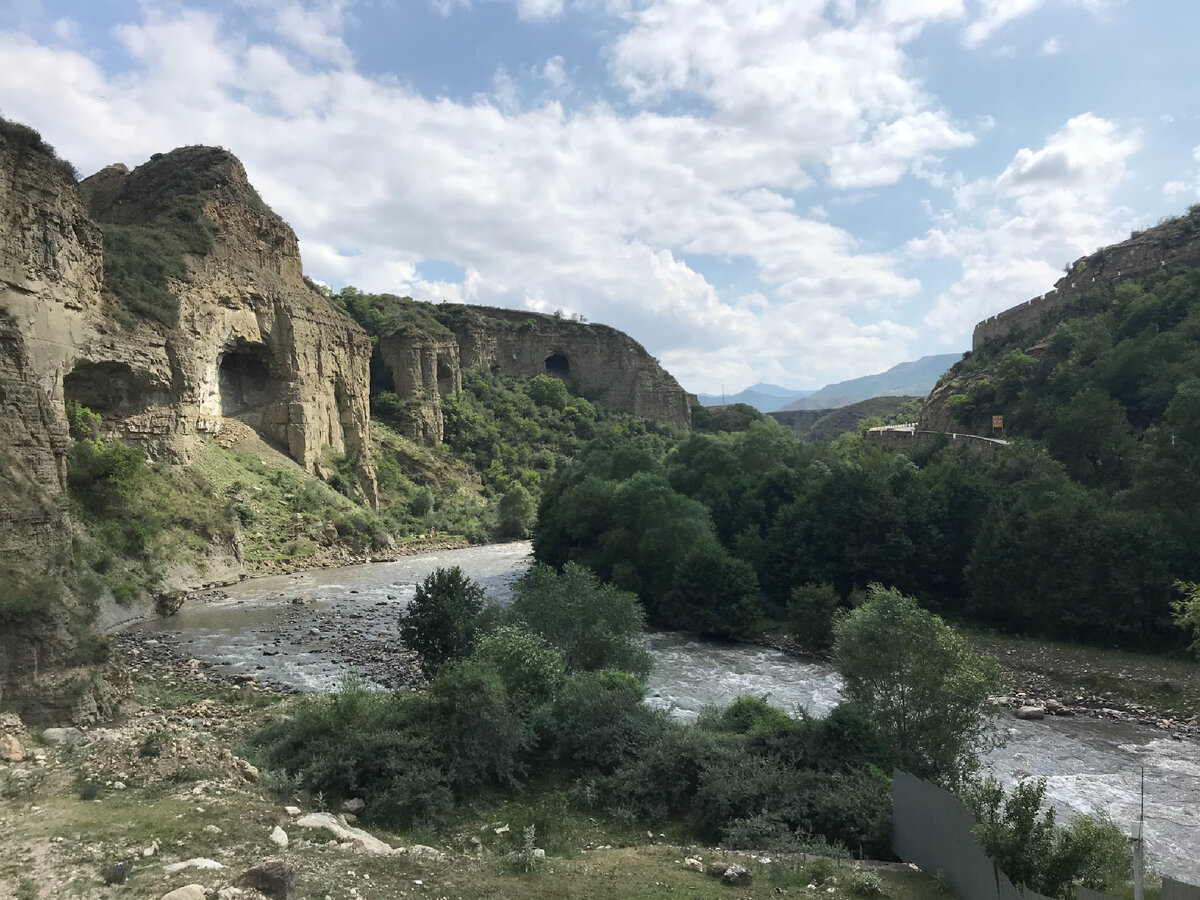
x: 997, y: 421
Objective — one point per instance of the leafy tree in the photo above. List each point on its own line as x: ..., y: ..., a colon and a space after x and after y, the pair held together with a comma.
x: 810, y: 612
x: 918, y: 682
x: 1034, y: 851
x: 592, y: 625
x: 517, y: 512
x: 441, y: 621
x: 1187, y: 611
x: 715, y: 594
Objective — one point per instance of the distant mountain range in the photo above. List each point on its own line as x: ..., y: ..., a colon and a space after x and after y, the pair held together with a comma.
x: 763, y: 397
x: 907, y: 379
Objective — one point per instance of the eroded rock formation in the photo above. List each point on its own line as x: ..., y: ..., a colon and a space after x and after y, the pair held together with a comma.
x: 597, y: 361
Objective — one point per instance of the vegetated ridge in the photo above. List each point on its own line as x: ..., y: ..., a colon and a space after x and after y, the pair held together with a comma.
x: 826, y: 424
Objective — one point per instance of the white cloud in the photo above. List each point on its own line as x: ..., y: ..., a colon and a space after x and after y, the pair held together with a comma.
x: 1051, y: 46
x: 838, y: 96
x: 1011, y: 234
x: 994, y: 15
x: 1190, y: 186
x: 554, y: 71
x: 595, y: 210
x: 539, y: 9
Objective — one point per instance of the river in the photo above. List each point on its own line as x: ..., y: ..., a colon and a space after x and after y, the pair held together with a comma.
x: 264, y: 625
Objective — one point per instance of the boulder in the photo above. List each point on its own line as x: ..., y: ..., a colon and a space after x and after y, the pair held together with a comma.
x: 246, y: 770
x: 361, y: 840
x: 736, y: 876
x: 272, y: 877
x: 187, y: 892
x: 716, y: 869
x: 196, y: 862
x: 116, y: 873
x: 279, y: 837
x: 693, y: 865
x: 355, y: 806
x: 61, y: 735
x: 1030, y: 713
x: 11, y: 749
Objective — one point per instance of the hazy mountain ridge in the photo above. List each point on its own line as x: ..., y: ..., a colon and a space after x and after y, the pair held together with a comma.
x: 907, y: 379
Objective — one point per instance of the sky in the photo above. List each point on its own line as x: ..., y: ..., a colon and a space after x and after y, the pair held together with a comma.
x: 793, y: 191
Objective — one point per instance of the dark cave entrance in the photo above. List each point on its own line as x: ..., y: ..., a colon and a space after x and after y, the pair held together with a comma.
x: 112, y: 389
x: 558, y: 365
x: 245, y: 383
x: 445, y: 378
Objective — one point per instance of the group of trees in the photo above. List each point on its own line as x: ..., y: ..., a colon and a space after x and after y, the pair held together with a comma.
x: 720, y: 530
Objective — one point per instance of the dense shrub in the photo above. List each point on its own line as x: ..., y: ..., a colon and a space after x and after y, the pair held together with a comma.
x: 26, y: 140
x: 440, y: 622
x: 530, y: 669
x: 598, y: 721
x: 592, y: 625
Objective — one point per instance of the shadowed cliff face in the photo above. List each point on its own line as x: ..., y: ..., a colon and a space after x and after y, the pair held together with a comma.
x: 597, y: 361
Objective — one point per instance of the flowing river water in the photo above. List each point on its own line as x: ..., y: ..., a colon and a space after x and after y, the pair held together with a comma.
x: 266, y: 626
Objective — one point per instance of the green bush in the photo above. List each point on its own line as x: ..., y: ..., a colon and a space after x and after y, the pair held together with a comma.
x: 714, y: 593
x: 479, y: 738
x: 104, y: 473
x: 440, y: 622
x: 810, y: 612
x: 518, y: 510
x: 598, y: 721
x: 24, y: 139
x: 746, y: 715
x: 592, y: 625
x: 529, y: 667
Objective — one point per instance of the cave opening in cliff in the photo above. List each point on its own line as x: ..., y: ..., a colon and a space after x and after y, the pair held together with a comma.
x: 245, y: 383
x: 112, y: 389
x: 558, y: 365
x: 445, y: 378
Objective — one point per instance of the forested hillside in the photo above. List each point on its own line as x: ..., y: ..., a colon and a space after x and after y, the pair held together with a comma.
x: 1079, y: 529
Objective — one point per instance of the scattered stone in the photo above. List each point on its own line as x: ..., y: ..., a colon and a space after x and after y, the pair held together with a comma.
x: 116, y: 873
x: 539, y: 853
x: 213, y: 829
x: 348, y: 818
x: 292, y: 810
x: 423, y: 852
x: 736, y: 876
x: 716, y: 869
x: 151, y: 850
x: 11, y: 749
x: 196, y: 862
x: 357, y: 838
x: 692, y: 864
x: 1030, y: 713
x: 503, y: 829
x: 354, y: 805
x: 61, y: 735
x: 187, y: 892
x: 118, y: 785
x: 246, y: 770
x: 279, y: 836
x: 1053, y: 707
x: 272, y: 877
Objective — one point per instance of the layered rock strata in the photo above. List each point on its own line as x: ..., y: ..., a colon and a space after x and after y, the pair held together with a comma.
x: 597, y: 361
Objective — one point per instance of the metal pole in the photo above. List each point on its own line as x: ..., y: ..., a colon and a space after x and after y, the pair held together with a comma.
x: 1139, y: 887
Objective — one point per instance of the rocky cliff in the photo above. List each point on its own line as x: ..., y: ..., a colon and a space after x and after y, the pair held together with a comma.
x: 600, y: 362
x: 233, y: 333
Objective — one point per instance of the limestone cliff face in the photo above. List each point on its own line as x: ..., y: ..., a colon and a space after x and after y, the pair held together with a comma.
x: 597, y: 361
x: 253, y: 341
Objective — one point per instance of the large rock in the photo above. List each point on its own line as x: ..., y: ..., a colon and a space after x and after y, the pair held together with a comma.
x: 361, y: 840
x: 187, y: 892
x: 1030, y: 713
x: 736, y: 876
x: 272, y: 877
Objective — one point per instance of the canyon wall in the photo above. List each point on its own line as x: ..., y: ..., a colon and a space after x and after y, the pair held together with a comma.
x: 599, y: 362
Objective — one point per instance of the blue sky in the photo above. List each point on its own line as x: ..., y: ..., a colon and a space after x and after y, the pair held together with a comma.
x: 792, y: 191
